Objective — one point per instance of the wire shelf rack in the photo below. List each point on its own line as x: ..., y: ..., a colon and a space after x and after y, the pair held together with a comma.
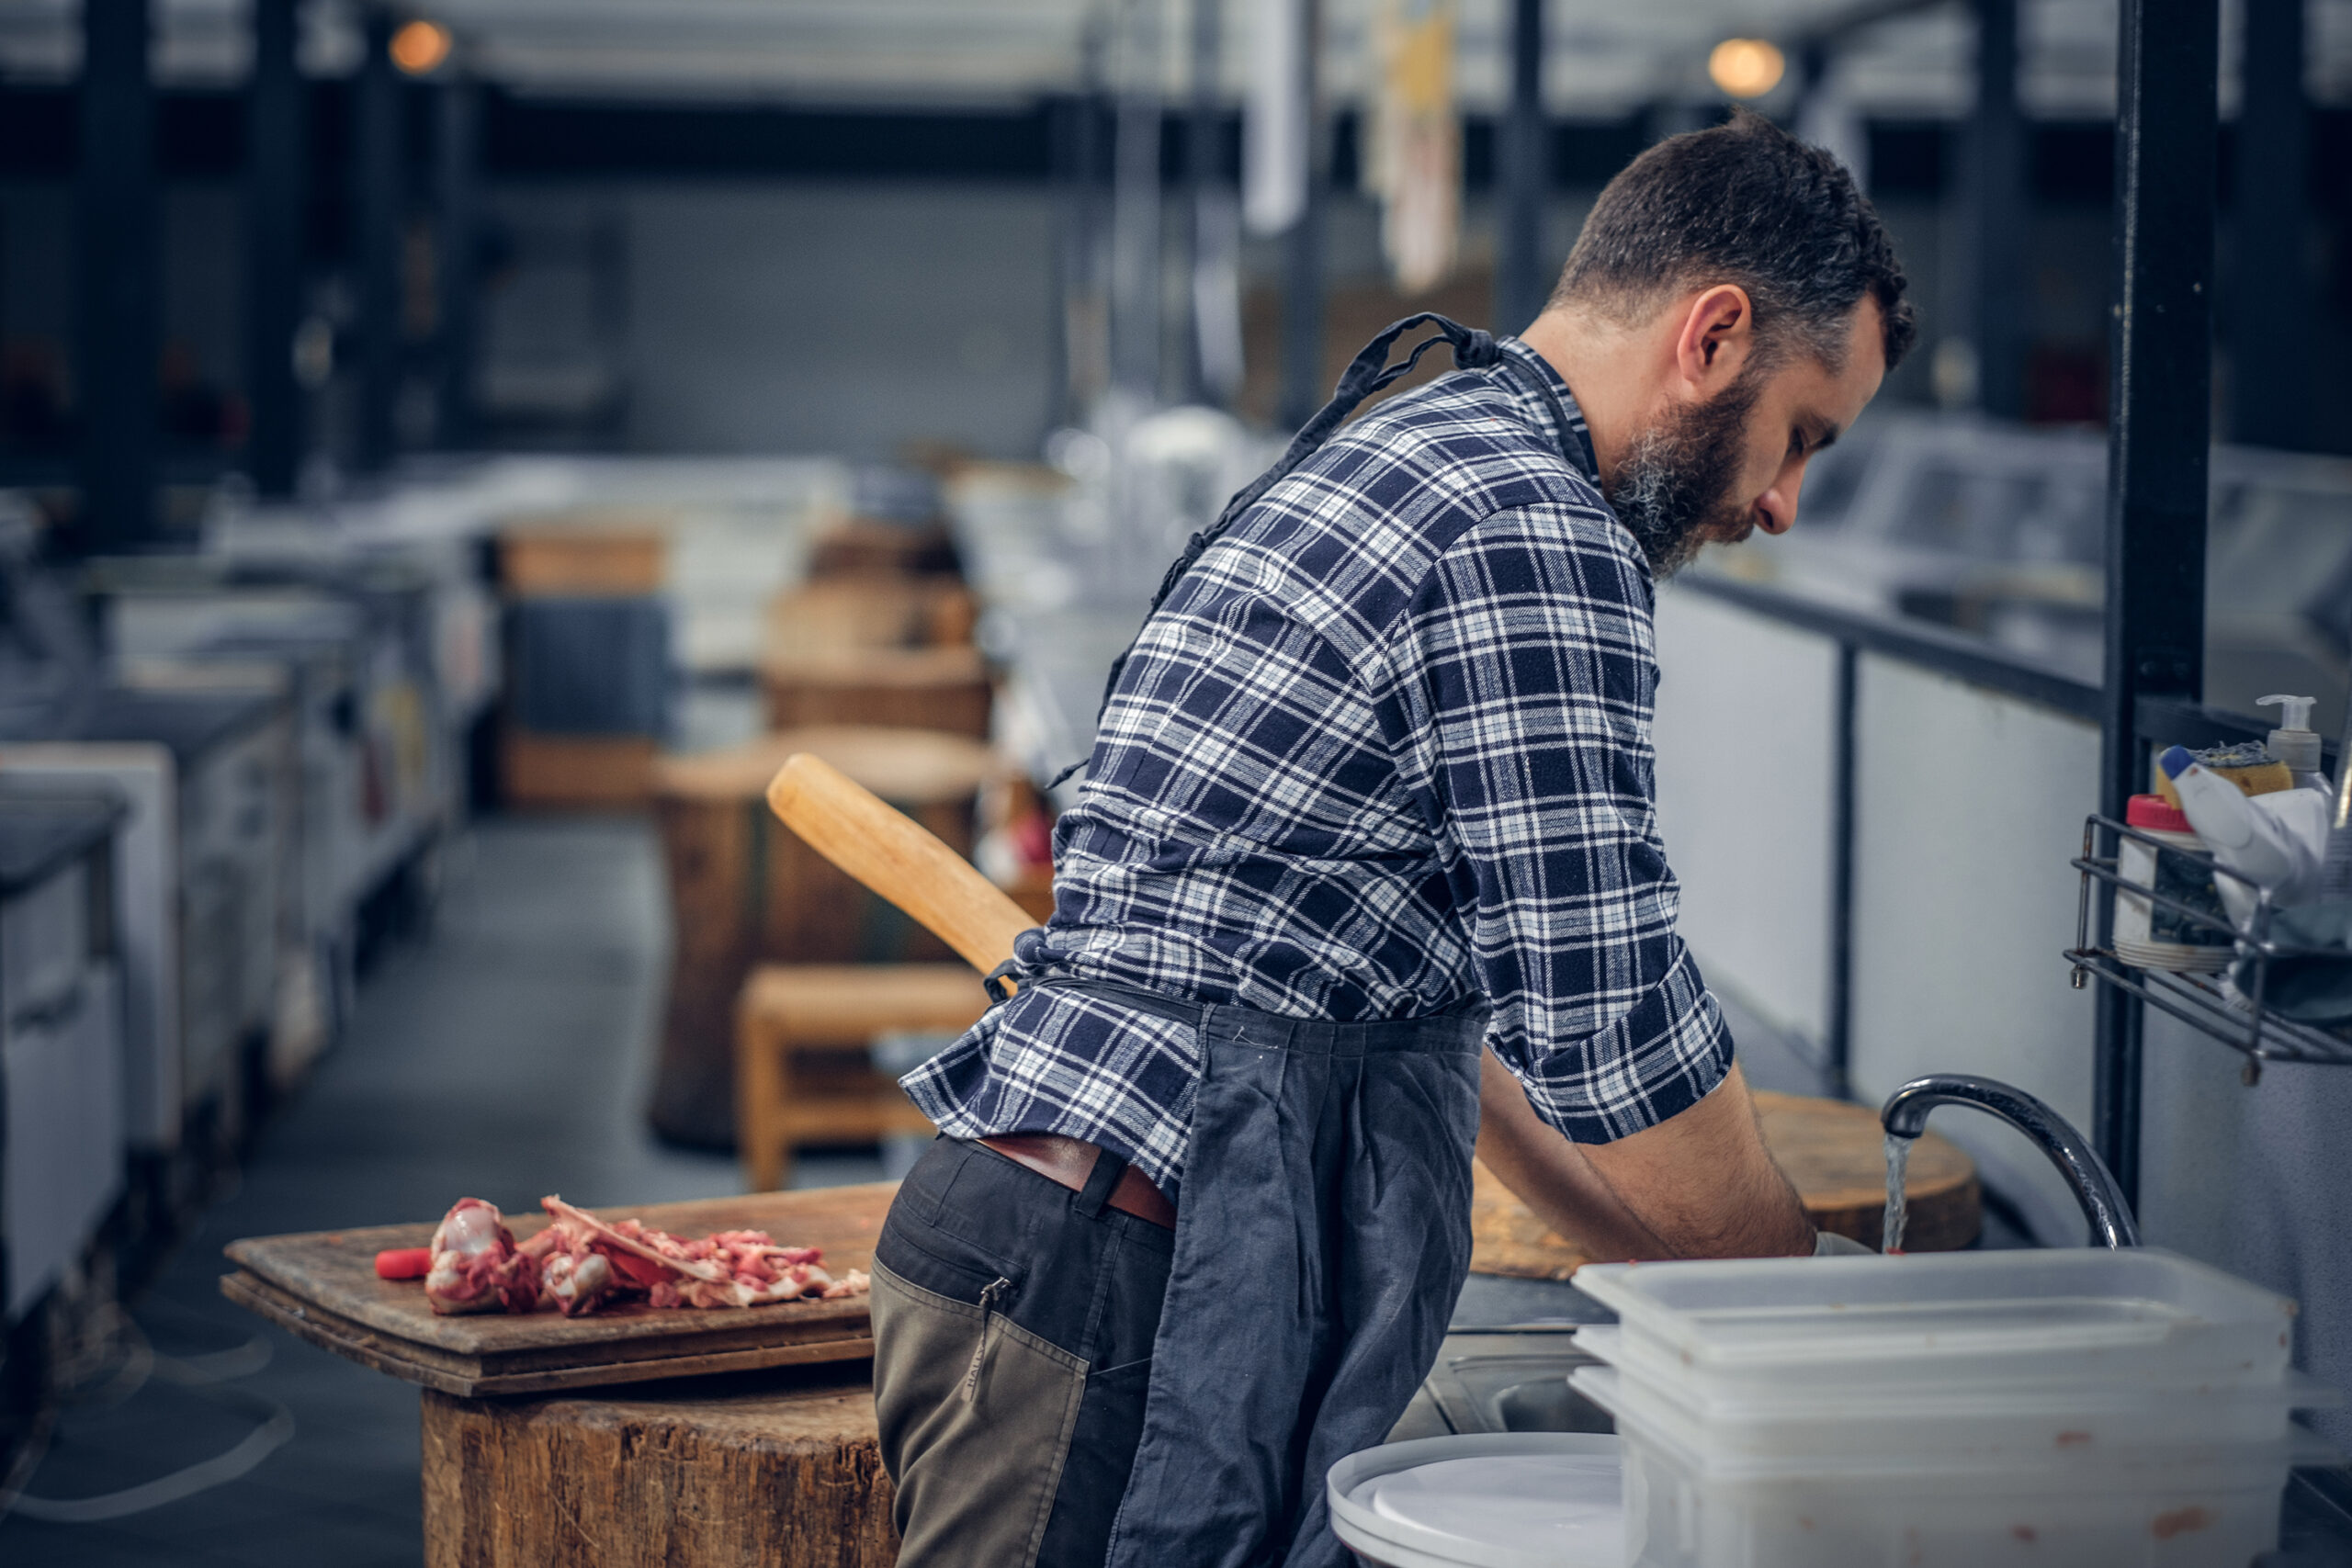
x: 2232, y: 1014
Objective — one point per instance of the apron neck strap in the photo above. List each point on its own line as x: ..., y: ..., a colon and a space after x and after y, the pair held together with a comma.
x: 1368, y: 373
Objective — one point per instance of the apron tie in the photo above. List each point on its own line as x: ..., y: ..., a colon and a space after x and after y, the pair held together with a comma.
x: 1368, y: 373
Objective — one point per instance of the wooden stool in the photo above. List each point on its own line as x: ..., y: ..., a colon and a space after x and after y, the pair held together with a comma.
x: 775, y: 1468
x: 745, y: 890
x: 1835, y: 1153
x: 801, y: 1071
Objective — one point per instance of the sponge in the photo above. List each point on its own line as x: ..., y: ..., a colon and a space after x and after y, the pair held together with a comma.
x: 2246, y: 765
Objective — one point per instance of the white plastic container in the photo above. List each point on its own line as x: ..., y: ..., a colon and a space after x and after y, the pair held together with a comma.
x: 2210, y: 1509
x: 2063, y: 1421
x: 1986, y: 1320
x: 1498, y: 1500
x: 2084, y: 1409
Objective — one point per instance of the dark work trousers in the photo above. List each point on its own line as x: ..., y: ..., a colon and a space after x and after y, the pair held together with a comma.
x: 1013, y: 1322
x: 1203, y: 1388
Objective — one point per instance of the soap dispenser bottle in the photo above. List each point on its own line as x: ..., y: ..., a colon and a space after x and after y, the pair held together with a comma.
x: 2295, y: 743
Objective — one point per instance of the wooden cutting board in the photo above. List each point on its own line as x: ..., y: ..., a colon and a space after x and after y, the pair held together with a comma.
x: 1833, y: 1151
x: 322, y: 1286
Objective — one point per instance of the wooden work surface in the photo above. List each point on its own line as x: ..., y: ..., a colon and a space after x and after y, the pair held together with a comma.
x: 322, y: 1286
x: 1833, y: 1151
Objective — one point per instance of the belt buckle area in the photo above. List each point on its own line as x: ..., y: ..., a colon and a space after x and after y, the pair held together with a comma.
x: 1067, y: 1162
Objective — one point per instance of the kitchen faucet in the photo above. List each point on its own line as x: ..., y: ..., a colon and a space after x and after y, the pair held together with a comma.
x: 1905, y: 1116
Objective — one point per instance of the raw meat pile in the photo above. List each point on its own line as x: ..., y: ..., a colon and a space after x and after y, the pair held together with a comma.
x: 580, y: 1263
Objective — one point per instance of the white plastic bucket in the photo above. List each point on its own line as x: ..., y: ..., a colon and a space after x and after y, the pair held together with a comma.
x: 1493, y: 1500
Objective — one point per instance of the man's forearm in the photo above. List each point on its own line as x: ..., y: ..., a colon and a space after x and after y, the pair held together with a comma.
x: 1699, y: 1185
x: 1552, y: 1176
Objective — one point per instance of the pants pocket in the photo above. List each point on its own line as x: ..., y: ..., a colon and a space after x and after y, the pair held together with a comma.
x: 1094, y: 1476
x: 975, y: 1415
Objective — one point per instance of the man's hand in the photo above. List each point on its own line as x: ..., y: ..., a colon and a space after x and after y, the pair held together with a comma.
x: 1700, y: 1184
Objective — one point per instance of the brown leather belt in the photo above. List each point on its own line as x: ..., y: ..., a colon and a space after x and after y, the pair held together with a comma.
x: 1067, y: 1162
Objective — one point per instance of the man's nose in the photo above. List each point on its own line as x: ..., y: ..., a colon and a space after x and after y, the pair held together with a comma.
x: 1776, y: 509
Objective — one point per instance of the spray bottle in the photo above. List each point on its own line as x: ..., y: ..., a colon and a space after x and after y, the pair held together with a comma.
x: 2295, y: 743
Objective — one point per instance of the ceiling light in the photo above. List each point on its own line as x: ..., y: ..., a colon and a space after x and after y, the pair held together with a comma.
x: 421, y: 45
x: 1746, y: 67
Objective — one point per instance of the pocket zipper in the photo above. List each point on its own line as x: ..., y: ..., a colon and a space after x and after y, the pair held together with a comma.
x: 980, y: 1352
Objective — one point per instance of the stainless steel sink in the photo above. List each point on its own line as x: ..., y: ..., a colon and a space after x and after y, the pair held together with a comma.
x: 1508, y: 1379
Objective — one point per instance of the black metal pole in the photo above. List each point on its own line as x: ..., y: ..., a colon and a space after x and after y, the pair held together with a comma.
x: 1521, y: 284
x: 1998, y: 216
x: 274, y: 166
x: 117, y: 291
x: 1204, y: 160
x: 458, y: 269
x: 1303, y: 388
x: 2160, y: 389
x: 1137, y: 254
x: 376, y: 240
x: 1061, y: 405
x: 1838, y: 1047
x: 1085, y: 307
x: 2272, y: 309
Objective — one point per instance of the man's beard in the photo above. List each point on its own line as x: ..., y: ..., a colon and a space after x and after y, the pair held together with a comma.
x: 1673, y: 487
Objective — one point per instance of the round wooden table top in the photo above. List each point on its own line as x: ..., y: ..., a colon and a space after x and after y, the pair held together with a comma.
x: 1834, y: 1152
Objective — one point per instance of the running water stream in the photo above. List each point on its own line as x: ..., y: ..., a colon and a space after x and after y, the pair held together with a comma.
x: 1898, y: 1202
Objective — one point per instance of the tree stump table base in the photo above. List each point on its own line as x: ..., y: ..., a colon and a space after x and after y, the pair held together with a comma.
x: 778, y: 1467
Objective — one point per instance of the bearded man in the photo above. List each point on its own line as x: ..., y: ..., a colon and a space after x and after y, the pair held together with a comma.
x: 1366, y: 858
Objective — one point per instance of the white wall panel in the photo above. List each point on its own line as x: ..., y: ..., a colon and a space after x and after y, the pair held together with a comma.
x: 1968, y: 807
x: 1746, y: 746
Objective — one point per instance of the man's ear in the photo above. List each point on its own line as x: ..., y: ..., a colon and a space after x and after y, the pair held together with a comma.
x: 1717, y: 334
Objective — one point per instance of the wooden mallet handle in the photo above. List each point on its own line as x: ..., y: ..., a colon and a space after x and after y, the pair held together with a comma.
x: 898, y: 858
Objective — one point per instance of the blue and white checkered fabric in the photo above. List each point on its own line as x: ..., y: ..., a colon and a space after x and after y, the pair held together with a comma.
x: 1384, y: 752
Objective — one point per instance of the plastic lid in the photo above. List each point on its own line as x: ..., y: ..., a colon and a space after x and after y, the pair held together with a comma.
x: 1567, y: 1508
x: 2156, y: 814
x: 1484, y: 1500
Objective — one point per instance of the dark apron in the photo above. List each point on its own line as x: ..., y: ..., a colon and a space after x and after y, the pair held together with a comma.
x: 1322, y: 1236
x: 1323, y: 1230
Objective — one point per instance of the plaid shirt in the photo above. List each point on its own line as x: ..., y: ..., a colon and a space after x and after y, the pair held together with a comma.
x: 1384, y: 752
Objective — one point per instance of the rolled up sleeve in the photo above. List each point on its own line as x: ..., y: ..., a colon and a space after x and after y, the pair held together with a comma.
x: 1526, y: 675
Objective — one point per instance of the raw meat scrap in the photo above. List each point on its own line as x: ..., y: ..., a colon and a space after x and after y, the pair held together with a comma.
x: 475, y: 1267
x: 580, y: 1262
x: 732, y: 1268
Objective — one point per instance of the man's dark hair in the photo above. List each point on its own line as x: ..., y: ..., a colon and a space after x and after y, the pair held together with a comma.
x: 1744, y: 202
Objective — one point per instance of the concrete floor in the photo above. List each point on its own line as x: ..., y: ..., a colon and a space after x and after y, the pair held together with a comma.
x: 505, y: 1058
